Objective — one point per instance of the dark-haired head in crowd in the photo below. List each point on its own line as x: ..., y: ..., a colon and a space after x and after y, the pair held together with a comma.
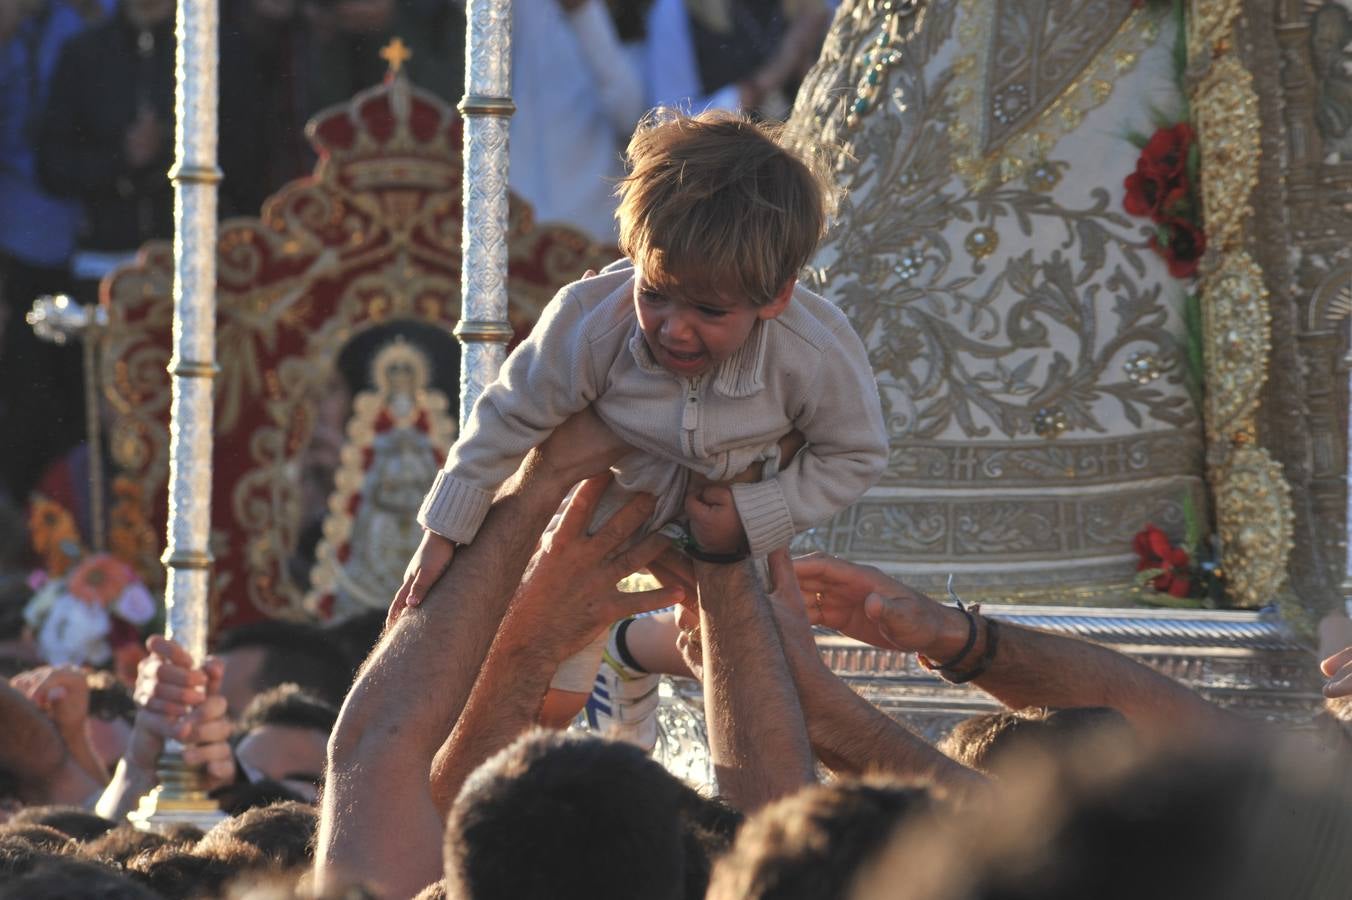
x: 282, y: 832
x: 583, y: 806
x: 65, y: 877
x: 43, y: 837
x: 263, y: 655
x: 282, y: 739
x: 811, y: 844
x: 983, y: 741
x: 1225, y: 825
x: 178, y: 874
x: 73, y: 822
x: 272, y: 843
x: 120, y: 845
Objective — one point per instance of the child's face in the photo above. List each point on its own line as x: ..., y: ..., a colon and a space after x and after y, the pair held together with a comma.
x: 690, y: 335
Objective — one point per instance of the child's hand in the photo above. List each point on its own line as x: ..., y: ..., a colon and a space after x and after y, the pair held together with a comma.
x: 427, y: 565
x: 714, y: 522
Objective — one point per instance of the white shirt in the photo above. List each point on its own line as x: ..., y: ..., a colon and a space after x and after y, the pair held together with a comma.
x: 670, y: 71
x: 578, y: 96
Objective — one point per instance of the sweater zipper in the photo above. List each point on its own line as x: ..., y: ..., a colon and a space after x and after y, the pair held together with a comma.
x: 690, y: 416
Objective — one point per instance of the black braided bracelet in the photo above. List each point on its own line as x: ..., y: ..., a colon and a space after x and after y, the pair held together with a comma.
x: 695, y: 551
x: 686, y: 544
x: 962, y: 654
x: 987, y: 656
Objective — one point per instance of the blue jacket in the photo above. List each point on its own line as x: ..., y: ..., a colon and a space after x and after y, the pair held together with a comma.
x: 35, y: 226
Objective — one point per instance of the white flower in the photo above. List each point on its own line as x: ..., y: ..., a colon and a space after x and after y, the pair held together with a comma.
x: 74, y: 632
x: 41, y: 603
x: 135, y: 604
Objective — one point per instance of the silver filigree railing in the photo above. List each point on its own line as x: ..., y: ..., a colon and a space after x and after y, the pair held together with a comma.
x: 1245, y: 660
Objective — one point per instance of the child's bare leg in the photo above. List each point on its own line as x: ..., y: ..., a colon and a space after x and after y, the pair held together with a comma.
x: 651, y: 642
x: 561, y: 707
x: 572, y: 683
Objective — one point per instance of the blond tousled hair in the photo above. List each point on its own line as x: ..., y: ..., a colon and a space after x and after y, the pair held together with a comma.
x: 716, y: 202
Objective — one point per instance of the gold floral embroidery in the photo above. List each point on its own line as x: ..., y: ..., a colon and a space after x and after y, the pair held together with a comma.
x: 999, y: 130
x: 968, y: 349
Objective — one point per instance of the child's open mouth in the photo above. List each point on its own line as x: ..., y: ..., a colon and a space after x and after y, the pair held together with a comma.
x: 680, y: 362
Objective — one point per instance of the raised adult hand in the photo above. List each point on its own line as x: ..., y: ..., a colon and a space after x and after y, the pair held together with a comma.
x: 62, y: 693
x: 863, y: 603
x: 178, y: 701
x: 582, y: 446
x: 569, y: 592
x: 1338, y: 670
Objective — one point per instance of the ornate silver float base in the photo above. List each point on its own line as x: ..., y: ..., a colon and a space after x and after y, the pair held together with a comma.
x: 1244, y: 661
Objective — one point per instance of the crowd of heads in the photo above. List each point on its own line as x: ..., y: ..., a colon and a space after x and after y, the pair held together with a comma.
x: 284, y: 682
x: 55, y: 852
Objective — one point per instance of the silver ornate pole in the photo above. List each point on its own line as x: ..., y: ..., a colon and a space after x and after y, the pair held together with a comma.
x: 487, y: 108
x: 179, y: 797
x: 1347, y: 479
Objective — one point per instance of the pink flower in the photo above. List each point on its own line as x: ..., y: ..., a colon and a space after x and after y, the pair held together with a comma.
x: 100, y: 579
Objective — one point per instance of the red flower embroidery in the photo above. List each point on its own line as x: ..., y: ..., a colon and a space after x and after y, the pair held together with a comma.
x: 1166, y: 153
x: 1149, y: 194
x: 1181, y: 244
x: 1159, y: 186
x: 1159, y: 190
x: 1153, y: 551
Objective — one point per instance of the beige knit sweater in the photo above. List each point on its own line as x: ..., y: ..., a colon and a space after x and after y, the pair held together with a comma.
x: 805, y: 369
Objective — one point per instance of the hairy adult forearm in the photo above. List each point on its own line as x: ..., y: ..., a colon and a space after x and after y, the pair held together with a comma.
x: 751, y: 706
x: 514, y: 526
x: 865, y: 739
x: 851, y: 736
x: 1035, y: 668
x: 380, y: 822
x: 504, y: 702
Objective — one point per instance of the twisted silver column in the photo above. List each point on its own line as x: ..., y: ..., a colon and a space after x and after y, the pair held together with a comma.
x: 487, y: 108
x: 193, y: 363
x: 1347, y: 477
x: 179, y: 797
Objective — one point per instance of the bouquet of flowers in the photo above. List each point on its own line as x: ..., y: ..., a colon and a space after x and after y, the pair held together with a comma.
x: 87, y: 608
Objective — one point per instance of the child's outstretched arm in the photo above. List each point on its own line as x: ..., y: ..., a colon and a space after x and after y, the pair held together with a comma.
x: 547, y: 378
x: 428, y: 564
x: 841, y: 418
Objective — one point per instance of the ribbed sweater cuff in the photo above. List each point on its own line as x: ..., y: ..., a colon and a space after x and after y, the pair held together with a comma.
x: 454, y: 509
x: 765, y: 515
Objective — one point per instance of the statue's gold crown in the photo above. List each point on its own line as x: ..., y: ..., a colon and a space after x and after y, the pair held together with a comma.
x: 391, y: 134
